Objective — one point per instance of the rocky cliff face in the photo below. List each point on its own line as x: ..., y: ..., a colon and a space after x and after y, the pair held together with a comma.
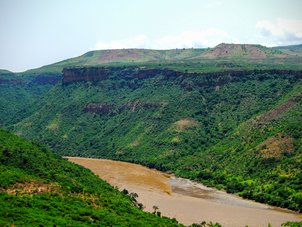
x: 71, y: 75
x: 103, y: 108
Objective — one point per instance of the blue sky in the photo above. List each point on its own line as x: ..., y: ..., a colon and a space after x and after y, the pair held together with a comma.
x: 36, y: 33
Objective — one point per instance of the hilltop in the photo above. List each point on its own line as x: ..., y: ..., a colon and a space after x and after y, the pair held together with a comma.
x: 247, y: 51
x: 234, y: 54
x: 4, y: 71
x: 293, y: 50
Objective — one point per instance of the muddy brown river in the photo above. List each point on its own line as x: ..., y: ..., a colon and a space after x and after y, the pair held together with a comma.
x: 187, y: 201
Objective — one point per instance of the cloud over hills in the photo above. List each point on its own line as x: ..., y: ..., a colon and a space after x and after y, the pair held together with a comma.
x: 269, y: 33
x: 187, y: 39
x: 281, y: 31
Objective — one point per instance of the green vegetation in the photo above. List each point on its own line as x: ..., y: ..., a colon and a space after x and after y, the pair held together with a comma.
x: 261, y: 159
x: 18, y: 94
x: 239, y: 133
x: 292, y: 224
x: 4, y: 71
x: 293, y: 50
x: 38, y: 187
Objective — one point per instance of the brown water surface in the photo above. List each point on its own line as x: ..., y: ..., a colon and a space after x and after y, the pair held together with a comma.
x: 187, y: 201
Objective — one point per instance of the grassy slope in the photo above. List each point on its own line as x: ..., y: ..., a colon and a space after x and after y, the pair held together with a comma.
x: 123, y: 56
x: 197, y: 119
x: 290, y: 47
x: 38, y: 187
x: 294, y: 50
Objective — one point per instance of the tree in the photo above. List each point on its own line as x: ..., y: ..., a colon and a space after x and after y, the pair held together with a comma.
x: 155, y: 208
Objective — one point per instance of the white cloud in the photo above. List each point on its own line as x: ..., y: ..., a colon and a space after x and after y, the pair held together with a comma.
x: 188, y: 39
x: 210, y: 37
x: 281, y: 31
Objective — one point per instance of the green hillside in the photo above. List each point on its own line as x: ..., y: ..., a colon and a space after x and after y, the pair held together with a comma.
x: 4, y: 71
x: 240, y: 132
x: 261, y: 159
x: 290, y: 47
x: 18, y: 94
x: 293, y: 50
x: 39, y: 188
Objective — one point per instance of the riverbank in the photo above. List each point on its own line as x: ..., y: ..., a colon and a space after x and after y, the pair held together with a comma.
x: 184, y: 200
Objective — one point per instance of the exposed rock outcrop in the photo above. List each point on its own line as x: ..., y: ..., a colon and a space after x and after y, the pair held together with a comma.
x: 275, y: 146
x: 274, y: 113
x: 71, y: 75
x: 103, y: 108
x: 85, y: 74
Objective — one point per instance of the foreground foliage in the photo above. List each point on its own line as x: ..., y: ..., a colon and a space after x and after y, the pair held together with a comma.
x: 38, y: 187
x: 292, y: 224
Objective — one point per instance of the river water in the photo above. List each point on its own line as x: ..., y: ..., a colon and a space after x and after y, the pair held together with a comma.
x: 189, y: 202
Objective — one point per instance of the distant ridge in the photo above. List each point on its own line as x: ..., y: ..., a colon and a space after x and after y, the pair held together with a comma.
x: 4, y: 71
x: 223, y: 51
x: 293, y: 50
x: 249, y: 51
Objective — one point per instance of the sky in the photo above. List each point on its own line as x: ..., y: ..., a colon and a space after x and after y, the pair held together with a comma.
x: 36, y: 33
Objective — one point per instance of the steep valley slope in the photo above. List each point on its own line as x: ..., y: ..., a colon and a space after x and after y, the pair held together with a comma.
x: 228, y: 116
x: 236, y: 130
x: 39, y: 188
x: 18, y: 94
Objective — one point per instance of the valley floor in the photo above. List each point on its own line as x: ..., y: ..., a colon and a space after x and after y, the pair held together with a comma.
x: 184, y: 200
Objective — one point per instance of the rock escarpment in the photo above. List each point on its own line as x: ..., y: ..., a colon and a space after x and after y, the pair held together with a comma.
x: 103, y: 108
x: 93, y: 74
x: 71, y: 75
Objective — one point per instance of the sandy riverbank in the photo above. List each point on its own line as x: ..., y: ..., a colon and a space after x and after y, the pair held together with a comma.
x: 181, y: 199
